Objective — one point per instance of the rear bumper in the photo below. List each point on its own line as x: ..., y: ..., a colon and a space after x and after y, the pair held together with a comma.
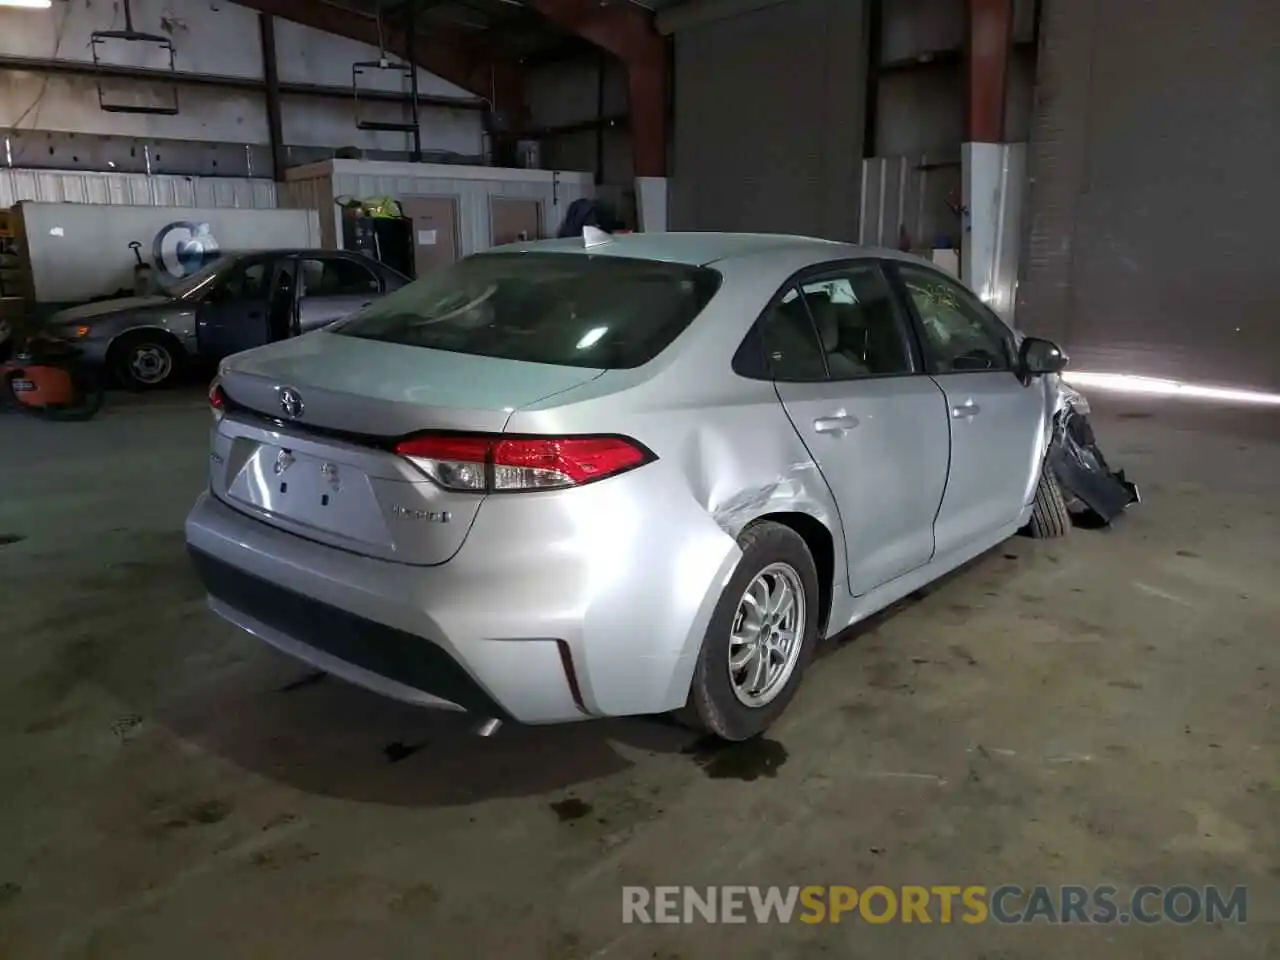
x: 371, y: 654
x: 540, y: 634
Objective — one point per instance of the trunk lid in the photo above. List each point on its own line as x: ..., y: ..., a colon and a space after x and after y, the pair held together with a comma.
x: 324, y: 469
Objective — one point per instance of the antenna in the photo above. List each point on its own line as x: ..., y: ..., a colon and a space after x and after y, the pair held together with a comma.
x: 595, y: 237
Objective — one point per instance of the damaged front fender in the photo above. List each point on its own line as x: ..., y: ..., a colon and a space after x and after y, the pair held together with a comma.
x: 1079, y: 466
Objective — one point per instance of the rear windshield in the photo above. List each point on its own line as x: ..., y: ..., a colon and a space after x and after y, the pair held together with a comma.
x: 563, y: 308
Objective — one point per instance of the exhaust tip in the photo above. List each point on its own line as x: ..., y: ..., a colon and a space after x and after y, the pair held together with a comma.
x: 488, y: 727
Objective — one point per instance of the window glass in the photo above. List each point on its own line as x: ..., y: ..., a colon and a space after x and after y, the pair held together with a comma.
x: 337, y: 278
x: 960, y: 336
x: 790, y: 342
x: 246, y: 281
x: 858, y: 324
x: 563, y: 308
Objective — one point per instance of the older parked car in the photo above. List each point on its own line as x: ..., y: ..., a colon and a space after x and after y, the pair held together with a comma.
x: 238, y: 302
x: 628, y: 475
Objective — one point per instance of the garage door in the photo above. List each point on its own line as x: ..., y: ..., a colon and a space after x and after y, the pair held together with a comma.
x: 1154, y: 240
x: 769, y: 119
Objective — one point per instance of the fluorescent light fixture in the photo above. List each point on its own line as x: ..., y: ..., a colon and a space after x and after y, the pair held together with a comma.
x: 28, y: 4
x: 1149, y: 386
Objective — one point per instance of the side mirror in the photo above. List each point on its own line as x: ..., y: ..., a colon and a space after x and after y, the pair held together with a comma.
x: 1038, y: 357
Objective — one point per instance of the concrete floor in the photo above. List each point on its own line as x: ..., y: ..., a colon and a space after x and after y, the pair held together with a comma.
x: 1100, y: 709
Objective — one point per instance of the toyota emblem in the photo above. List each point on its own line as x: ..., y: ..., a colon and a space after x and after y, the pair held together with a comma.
x: 291, y: 403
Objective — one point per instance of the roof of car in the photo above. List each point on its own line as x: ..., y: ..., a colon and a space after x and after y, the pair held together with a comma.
x: 295, y: 252
x: 697, y: 248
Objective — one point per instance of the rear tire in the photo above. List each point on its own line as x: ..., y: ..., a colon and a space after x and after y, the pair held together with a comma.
x: 725, y: 702
x: 1050, y: 518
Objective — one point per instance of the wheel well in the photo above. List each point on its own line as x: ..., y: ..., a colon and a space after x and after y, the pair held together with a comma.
x: 156, y: 334
x: 821, y: 545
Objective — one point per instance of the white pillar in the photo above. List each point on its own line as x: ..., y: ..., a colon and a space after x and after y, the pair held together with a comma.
x: 993, y: 183
x: 651, y: 204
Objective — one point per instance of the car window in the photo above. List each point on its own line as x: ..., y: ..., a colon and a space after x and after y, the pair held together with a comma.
x: 563, y: 308
x: 858, y: 322
x: 960, y: 336
x: 791, y: 347
x: 245, y: 281
x: 338, y: 277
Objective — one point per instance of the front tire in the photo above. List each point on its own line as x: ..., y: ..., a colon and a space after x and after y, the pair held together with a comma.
x: 146, y: 361
x: 761, y: 637
x: 1050, y: 518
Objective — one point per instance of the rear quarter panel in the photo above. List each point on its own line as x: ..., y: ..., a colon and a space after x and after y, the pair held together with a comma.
x: 725, y: 446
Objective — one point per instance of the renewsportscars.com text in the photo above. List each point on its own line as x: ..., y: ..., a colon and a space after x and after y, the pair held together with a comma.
x: 974, y: 904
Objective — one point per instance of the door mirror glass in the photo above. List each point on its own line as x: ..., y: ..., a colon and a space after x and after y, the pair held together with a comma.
x: 1039, y: 357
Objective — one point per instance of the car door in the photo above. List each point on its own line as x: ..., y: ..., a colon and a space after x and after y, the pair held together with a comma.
x: 845, y: 365
x: 333, y: 288
x: 997, y: 422
x: 234, y: 313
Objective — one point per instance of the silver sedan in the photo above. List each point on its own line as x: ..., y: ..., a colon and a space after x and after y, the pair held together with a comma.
x: 238, y: 302
x: 616, y: 476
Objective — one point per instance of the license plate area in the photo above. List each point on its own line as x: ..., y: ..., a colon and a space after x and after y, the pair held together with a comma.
x: 312, y: 492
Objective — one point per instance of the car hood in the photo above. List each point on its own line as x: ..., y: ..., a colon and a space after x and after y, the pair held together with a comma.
x: 103, y: 308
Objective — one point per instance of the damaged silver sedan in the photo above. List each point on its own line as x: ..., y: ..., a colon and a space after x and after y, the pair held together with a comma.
x: 610, y: 476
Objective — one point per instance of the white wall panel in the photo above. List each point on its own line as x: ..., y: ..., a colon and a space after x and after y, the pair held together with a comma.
x: 70, y: 103
x: 220, y: 39
x: 310, y: 56
x: 312, y: 123
x: 126, y: 189
x: 217, y: 38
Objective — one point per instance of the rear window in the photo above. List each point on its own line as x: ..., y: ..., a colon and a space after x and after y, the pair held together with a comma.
x: 564, y: 308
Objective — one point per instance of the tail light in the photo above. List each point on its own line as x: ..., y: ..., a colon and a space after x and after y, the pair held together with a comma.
x: 498, y: 464
x: 217, y: 400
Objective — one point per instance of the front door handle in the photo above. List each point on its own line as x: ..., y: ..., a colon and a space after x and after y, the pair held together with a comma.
x: 835, y: 424
x: 967, y: 411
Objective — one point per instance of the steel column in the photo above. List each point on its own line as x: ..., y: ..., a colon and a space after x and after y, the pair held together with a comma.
x: 989, y: 39
x: 628, y: 32
x: 271, y: 88
x: 498, y: 80
x: 411, y: 28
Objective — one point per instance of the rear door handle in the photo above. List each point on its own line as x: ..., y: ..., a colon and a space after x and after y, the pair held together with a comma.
x: 966, y: 412
x: 835, y: 424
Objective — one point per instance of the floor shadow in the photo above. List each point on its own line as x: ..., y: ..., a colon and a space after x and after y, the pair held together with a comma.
x: 326, y: 737
x: 138, y: 629
x: 993, y: 568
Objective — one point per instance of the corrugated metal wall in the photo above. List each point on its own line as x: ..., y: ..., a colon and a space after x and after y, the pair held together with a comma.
x: 59, y: 186
x: 769, y: 109
x: 1155, y: 201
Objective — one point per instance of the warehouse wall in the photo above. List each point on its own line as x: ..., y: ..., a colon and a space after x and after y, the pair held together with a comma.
x: 1154, y: 202
x: 565, y: 109
x: 769, y: 116
x: 211, y: 38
